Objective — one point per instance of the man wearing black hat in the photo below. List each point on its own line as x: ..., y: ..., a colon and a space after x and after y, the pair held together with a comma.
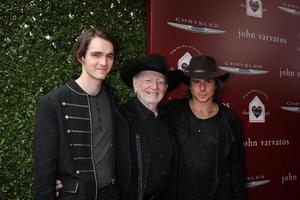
x: 152, y: 175
x: 209, y: 137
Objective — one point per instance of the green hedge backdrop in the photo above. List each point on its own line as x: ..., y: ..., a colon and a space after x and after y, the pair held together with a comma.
x: 36, y: 40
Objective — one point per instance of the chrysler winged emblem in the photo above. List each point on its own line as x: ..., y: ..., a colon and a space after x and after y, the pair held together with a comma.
x: 291, y: 109
x: 290, y: 10
x: 195, y: 29
x: 243, y: 71
x: 253, y: 184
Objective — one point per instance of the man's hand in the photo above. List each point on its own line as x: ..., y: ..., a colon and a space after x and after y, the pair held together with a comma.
x: 58, y: 186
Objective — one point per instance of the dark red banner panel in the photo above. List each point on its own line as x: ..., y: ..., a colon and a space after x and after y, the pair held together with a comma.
x: 258, y: 43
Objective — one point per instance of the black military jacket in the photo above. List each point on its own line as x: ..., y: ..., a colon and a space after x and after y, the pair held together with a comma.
x: 62, y: 144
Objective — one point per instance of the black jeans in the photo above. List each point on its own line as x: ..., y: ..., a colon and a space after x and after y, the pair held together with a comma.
x: 110, y: 192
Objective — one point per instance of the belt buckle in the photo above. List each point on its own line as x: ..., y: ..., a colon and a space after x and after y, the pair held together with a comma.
x: 153, y: 197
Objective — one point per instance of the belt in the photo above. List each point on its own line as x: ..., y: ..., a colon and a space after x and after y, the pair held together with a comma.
x: 152, y: 197
x: 103, y: 185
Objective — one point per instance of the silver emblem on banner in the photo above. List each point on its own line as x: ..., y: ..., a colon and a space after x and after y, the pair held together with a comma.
x: 290, y: 10
x: 253, y: 184
x: 243, y: 71
x: 195, y: 29
x: 291, y: 109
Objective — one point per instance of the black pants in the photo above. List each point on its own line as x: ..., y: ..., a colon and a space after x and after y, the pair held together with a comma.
x: 110, y: 192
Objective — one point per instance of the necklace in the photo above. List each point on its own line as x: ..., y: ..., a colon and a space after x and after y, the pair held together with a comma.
x: 204, y: 112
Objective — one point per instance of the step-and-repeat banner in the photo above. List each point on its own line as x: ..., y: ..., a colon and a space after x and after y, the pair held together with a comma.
x: 258, y: 43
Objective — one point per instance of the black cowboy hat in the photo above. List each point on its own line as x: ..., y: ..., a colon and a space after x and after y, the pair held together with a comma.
x: 153, y: 62
x: 204, y: 67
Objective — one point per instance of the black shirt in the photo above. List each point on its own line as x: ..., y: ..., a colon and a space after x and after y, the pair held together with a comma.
x: 102, y: 138
x: 157, y: 132
x: 199, y: 154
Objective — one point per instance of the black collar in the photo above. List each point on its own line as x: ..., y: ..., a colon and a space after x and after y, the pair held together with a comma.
x: 142, y: 110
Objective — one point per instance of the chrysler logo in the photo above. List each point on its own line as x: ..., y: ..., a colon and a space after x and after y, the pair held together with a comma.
x: 290, y: 10
x: 195, y: 29
x: 243, y: 71
x: 253, y: 184
x: 291, y: 108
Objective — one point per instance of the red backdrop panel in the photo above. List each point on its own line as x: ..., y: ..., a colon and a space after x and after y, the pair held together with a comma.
x: 258, y: 43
